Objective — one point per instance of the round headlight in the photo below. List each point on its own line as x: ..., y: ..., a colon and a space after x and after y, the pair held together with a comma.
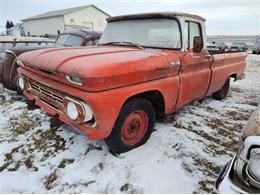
x: 21, y: 83
x: 72, y: 111
x: 253, y: 170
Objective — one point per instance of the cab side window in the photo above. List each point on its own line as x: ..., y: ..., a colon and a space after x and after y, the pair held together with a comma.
x: 191, y: 30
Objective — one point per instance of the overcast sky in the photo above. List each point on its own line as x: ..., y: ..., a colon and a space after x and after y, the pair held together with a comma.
x: 224, y: 17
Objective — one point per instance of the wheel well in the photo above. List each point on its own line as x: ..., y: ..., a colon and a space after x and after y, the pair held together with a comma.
x: 155, y: 97
x: 234, y: 76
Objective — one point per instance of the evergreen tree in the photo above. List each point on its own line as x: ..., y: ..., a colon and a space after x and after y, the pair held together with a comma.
x: 7, y: 26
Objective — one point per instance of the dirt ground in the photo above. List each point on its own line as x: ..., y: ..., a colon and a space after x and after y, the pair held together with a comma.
x: 184, y: 154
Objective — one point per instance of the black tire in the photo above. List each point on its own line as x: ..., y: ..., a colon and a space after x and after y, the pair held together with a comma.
x: 254, y: 52
x: 222, y: 93
x: 115, y: 141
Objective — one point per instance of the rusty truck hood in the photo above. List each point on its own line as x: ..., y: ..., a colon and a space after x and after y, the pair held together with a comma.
x: 118, y: 62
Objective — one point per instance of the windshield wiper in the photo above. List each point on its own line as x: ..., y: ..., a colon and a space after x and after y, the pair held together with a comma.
x: 109, y: 43
x: 120, y: 43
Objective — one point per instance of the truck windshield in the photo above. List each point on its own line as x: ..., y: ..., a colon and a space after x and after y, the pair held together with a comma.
x: 157, y: 33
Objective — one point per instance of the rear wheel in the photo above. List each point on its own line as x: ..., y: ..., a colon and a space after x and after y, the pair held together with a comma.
x: 222, y: 93
x: 133, y: 126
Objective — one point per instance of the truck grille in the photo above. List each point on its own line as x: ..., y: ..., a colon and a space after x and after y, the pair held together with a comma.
x: 46, y: 94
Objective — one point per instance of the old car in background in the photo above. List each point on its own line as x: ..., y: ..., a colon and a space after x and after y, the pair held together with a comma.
x: 238, y: 46
x: 242, y: 173
x: 144, y: 64
x: 8, y: 66
x: 256, y: 48
x: 7, y: 42
x: 78, y: 38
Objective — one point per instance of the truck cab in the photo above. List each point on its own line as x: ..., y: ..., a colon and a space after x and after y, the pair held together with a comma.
x: 144, y: 64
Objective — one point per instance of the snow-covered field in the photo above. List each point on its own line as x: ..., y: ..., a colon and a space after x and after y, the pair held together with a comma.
x: 184, y: 154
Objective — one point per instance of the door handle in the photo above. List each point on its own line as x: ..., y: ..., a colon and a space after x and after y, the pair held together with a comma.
x: 208, y: 56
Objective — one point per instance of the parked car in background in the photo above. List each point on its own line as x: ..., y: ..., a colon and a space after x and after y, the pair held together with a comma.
x: 242, y: 174
x: 7, y: 42
x: 215, y: 46
x: 256, y: 48
x: 143, y: 65
x: 8, y: 66
x: 238, y: 46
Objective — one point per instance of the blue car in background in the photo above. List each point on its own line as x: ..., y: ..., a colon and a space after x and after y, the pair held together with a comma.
x: 238, y: 46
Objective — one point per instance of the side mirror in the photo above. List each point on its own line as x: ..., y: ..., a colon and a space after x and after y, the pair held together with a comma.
x: 197, y: 44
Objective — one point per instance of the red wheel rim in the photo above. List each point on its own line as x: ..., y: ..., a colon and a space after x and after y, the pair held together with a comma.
x: 134, y: 127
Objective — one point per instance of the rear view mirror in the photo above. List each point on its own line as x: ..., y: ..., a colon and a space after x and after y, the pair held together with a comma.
x: 197, y: 44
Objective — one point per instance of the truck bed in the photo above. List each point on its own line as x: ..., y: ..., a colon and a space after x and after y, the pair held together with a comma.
x: 224, y: 65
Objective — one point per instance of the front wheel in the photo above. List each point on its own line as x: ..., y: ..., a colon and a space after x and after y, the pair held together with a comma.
x: 133, y: 126
x: 222, y: 93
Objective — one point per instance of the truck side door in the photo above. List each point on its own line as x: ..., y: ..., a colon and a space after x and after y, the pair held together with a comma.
x: 195, y: 73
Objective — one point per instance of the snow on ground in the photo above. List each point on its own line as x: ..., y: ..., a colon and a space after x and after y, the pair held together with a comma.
x: 184, y: 154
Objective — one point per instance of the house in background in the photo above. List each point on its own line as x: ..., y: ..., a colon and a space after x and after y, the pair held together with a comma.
x: 87, y: 17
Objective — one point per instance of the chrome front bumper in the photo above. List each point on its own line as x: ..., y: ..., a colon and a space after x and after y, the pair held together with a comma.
x: 224, y: 183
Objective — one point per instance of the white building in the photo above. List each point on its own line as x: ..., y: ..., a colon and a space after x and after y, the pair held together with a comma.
x: 87, y: 17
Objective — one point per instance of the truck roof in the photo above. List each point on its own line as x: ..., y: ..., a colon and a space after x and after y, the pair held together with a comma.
x: 154, y: 15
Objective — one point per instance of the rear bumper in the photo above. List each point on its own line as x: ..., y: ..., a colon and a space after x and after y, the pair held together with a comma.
x: 224, y: 183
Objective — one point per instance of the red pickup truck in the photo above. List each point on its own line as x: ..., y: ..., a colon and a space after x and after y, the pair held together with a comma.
x: 144, y: 64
